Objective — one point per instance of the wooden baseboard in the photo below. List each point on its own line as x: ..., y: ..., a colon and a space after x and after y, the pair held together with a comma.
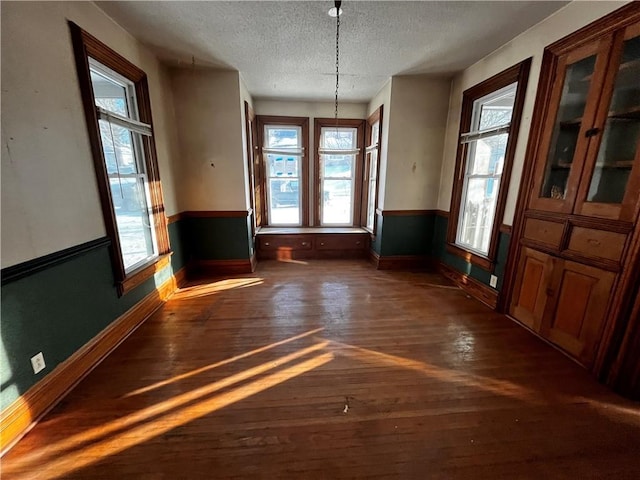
x: 221, y: 267
x: 374, y: 258
x: 22, y: 415
x: 181, y: 277
x: 473, y: 287
x: 404, y: 262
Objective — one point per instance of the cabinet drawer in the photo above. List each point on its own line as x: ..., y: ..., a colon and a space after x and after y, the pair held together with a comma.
x: 293, y: 242
x: 543, y: 231
x: 341, y: 242
x: 597, y: 243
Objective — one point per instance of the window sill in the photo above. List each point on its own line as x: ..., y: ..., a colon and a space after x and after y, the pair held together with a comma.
x: 140, y: 275
x: 308, y: 230
x: 483, y: 262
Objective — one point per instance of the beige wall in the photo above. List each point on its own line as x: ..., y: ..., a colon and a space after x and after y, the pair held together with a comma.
x: 418, y: 113
x: 529, y: 44
x: 49, y: 193
x: 210, y: 131
x: 382, y: 99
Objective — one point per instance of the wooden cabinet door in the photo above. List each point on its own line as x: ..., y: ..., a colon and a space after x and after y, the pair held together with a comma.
x: 569, y: 121
x: 533, y: 286
x: 575, y: 313
x: 611, y: 180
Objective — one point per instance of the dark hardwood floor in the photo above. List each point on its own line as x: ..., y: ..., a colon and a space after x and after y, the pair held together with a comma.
x: 331, y: 369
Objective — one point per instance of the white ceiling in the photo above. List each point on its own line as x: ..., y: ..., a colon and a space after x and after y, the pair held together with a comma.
x: 287, y: 49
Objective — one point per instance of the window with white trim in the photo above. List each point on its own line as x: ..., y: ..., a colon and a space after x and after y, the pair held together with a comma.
x: 486, y: 148
x: 121, y: 135
x: 117, y: 107
x: 489, y: 123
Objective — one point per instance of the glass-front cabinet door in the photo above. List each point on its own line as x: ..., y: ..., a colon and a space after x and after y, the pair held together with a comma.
x: 569, y: 121
x: 611, y: 182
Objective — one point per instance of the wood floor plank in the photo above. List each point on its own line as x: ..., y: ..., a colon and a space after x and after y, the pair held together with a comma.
x: 329, y: 370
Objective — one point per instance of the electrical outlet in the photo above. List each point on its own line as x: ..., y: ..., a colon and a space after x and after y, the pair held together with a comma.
x: 493, y: 281
x: 37, y: 362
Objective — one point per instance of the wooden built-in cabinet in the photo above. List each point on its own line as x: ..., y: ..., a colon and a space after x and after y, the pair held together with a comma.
x: 577, y: 237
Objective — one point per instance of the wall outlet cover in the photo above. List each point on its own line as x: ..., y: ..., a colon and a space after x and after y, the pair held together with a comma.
x: 493, y: 281
x: 37, y: 362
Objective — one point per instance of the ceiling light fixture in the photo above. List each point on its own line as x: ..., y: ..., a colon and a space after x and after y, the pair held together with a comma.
x: 337, y: 12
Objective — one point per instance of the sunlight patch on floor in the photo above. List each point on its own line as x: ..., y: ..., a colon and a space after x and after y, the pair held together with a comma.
x: 91, y: 446
x: 215, y: 287
x: 198, y: 371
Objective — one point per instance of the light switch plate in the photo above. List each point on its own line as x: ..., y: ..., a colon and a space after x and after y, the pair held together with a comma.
x: 493, y: 281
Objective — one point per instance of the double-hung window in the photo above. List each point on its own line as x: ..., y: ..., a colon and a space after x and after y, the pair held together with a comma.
x: 339, y: 170
x: 371, y: 171
x: 118, y: 113
x: 488, y: 131
x: 486, y: 148
x: 283, y: 152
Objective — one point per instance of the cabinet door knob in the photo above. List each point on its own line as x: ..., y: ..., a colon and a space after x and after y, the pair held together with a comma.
x: 322, y: 244
x: 357, y: 243
x: 304, y: 244
x: 266, y: 244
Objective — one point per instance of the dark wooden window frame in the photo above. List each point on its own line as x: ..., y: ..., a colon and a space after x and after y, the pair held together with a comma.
x: 303, y: 123
x: 376, y: 116
x: 517, y: 73
x: 357, y: 194
x: 85, y: 46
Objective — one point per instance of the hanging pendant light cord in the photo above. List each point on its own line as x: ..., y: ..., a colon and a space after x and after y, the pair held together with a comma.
x: 338, y: 3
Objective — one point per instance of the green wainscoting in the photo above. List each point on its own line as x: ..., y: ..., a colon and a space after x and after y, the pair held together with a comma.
x: 406, y: 234
x: 60, y: 307
x: 439, y: 252
x: 217, y: 238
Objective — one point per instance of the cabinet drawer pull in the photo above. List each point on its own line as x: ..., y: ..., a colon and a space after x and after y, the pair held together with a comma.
x: 357, y: 243
x: 304, y: 244
x: 594, y: 242
x: 266, y: 244
x: 321, y: 243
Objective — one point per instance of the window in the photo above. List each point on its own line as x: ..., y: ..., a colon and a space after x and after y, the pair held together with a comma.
x: 118, y: 114
x: 338, y: 172
x: 371, y: 171
x: 489, y: 127
x: 283, y: 141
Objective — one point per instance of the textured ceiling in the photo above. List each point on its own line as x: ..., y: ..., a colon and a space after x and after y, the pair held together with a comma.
x: 287, y: 49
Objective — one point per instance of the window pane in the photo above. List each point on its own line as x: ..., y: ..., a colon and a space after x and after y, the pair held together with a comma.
x: 282, y: 166
x: 283, y: 137
x: 337, y: 166
x: 486, y: 156
x: 375, y: 133
x: 474, y: 230
x: 284, y: 201
x: 117, y: 145
x: 109, y: 94
x: 496, y: 108
x: 337, y: 202
x: 567, y: 127
x: 133, y: 219
x: 621, y: 132
x: 339, y: 138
